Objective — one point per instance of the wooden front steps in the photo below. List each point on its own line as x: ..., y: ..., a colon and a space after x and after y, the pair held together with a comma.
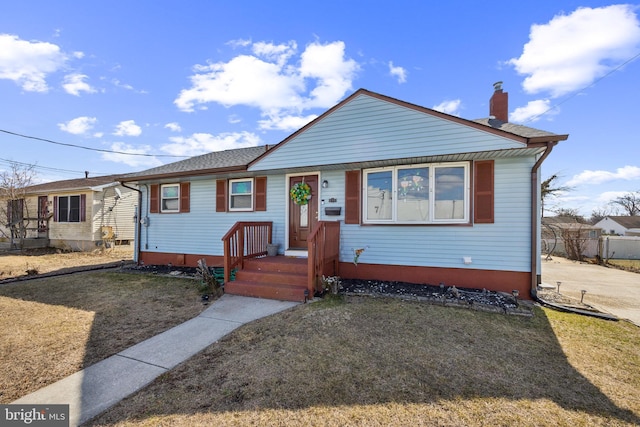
x: 276, y: 277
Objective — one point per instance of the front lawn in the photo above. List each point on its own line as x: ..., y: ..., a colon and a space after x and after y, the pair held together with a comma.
x: 53, y: 327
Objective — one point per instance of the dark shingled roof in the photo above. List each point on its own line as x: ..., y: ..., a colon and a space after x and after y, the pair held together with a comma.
x: 71, y: 184
x: 216, y: 161
x: 627, y: 221
x: 519, y: 130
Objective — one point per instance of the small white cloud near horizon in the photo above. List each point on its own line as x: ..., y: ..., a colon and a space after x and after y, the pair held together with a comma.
x: 533, y: 111
x: 127, y: 128
x: 133, y: 161
x: 173, y: 127
x: 572, y: 51
x: 75, y: 83
x: 28, y: 63
x: 449, y: 107
x: 285, y: 123
x: 274, y: 79
x: 201, y: 143
x: 79, y: 125
x: 399, y: 73
x: 590, y: 177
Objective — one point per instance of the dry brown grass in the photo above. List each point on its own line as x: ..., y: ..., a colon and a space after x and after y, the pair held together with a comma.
x: 387, y: 362
x: 16, y: 264
x: 53, y: 327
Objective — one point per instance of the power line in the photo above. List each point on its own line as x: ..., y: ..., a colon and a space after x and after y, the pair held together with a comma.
x: 88, y: 148
x: 35, y: 166
x: 576, y: 93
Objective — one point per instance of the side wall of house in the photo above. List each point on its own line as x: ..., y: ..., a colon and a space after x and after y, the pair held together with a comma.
x: 114, y: 213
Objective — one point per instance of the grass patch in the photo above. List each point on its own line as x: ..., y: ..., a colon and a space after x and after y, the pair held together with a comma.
x: 53, y: 327
x: 367, y: 361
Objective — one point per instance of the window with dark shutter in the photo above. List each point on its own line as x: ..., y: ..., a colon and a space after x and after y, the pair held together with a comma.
x: 483, y: 194
x: 352, y: 197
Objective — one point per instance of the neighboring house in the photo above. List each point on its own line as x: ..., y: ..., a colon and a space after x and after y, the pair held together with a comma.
x: 76, y: 214
x: 398, y: 192
x: 619, y: 225
x: 567, y: 237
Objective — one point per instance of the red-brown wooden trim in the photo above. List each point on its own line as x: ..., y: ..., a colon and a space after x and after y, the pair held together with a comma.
x: 185, y: 188
x: 493, y: 280
x: 261, y: 193
x: 221, y: 195
x: 185, y: 260
x: 154, y: 198
x: 352, y: 197
x: 483, y: 194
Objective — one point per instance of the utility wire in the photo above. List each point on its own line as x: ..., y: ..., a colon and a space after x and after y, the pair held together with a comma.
x: 35, y: 166
x: 88, y: 148
x: 576, y: 93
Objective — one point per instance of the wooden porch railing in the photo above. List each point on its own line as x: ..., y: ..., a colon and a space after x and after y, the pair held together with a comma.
x: 323, y: 247
x: 245, y: 240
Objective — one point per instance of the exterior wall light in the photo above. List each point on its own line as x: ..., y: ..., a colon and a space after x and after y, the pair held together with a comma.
x: 325, y: 184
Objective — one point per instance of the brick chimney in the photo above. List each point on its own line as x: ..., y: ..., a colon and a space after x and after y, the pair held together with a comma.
x: 499, y: 103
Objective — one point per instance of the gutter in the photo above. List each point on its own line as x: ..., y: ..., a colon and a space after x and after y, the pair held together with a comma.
x: 138, y: 228
x: 535, y: 188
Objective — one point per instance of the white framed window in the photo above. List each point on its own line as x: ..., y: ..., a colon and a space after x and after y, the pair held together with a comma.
x: 170, y: 198
x: 241, y: 194
x: 433, y: 193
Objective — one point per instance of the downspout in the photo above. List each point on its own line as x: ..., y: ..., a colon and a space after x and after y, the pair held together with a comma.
x: 535, y: 188
x: 138, y: 228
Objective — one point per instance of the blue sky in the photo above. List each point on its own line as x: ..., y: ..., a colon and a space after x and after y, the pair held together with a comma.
x: 175, y: 78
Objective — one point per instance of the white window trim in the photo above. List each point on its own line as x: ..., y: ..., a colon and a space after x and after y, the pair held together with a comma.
x: 231, y: 194
x: 162, y: 209
x: 394, y: 186
x: 68, y: 210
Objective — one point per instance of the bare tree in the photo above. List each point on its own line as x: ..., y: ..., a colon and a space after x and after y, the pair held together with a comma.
x: 14, y: 211
x: 575, y: 242
x: 572, y: 213
x: 629, y: 202
x: 598, y: 214
x: 547, y: 189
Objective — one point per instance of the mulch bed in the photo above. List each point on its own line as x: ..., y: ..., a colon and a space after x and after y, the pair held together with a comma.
x: 475, y: 299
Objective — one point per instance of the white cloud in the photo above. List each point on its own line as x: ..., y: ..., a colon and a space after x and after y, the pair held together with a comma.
x: 271, y: 80
x: 79, y: 125
x: 532, y: 111
x: 173, y: 126
x: 74, y: 84
x: 200, y: 143
x: 133, y: 161
x: 589, y: 177
x: 572, y: 51
x: 127, y: 128
x: 449, y: 107
x: 285, y: 123
x: 28, y: 63
x: 398, y: 72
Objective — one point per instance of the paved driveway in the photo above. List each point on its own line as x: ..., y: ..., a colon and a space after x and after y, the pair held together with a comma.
x: 608, y: 289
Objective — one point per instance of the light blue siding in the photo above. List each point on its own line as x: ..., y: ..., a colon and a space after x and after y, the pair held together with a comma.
x: 369, y: 129
x: 200, y: 231
x: 504, y: 245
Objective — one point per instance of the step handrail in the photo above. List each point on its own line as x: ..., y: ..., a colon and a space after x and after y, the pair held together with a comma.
x: 245, y: 240
x: 323, y: 246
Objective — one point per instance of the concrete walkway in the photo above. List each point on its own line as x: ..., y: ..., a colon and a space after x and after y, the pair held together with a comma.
x: 102, y: 385
x: 608, y: 289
